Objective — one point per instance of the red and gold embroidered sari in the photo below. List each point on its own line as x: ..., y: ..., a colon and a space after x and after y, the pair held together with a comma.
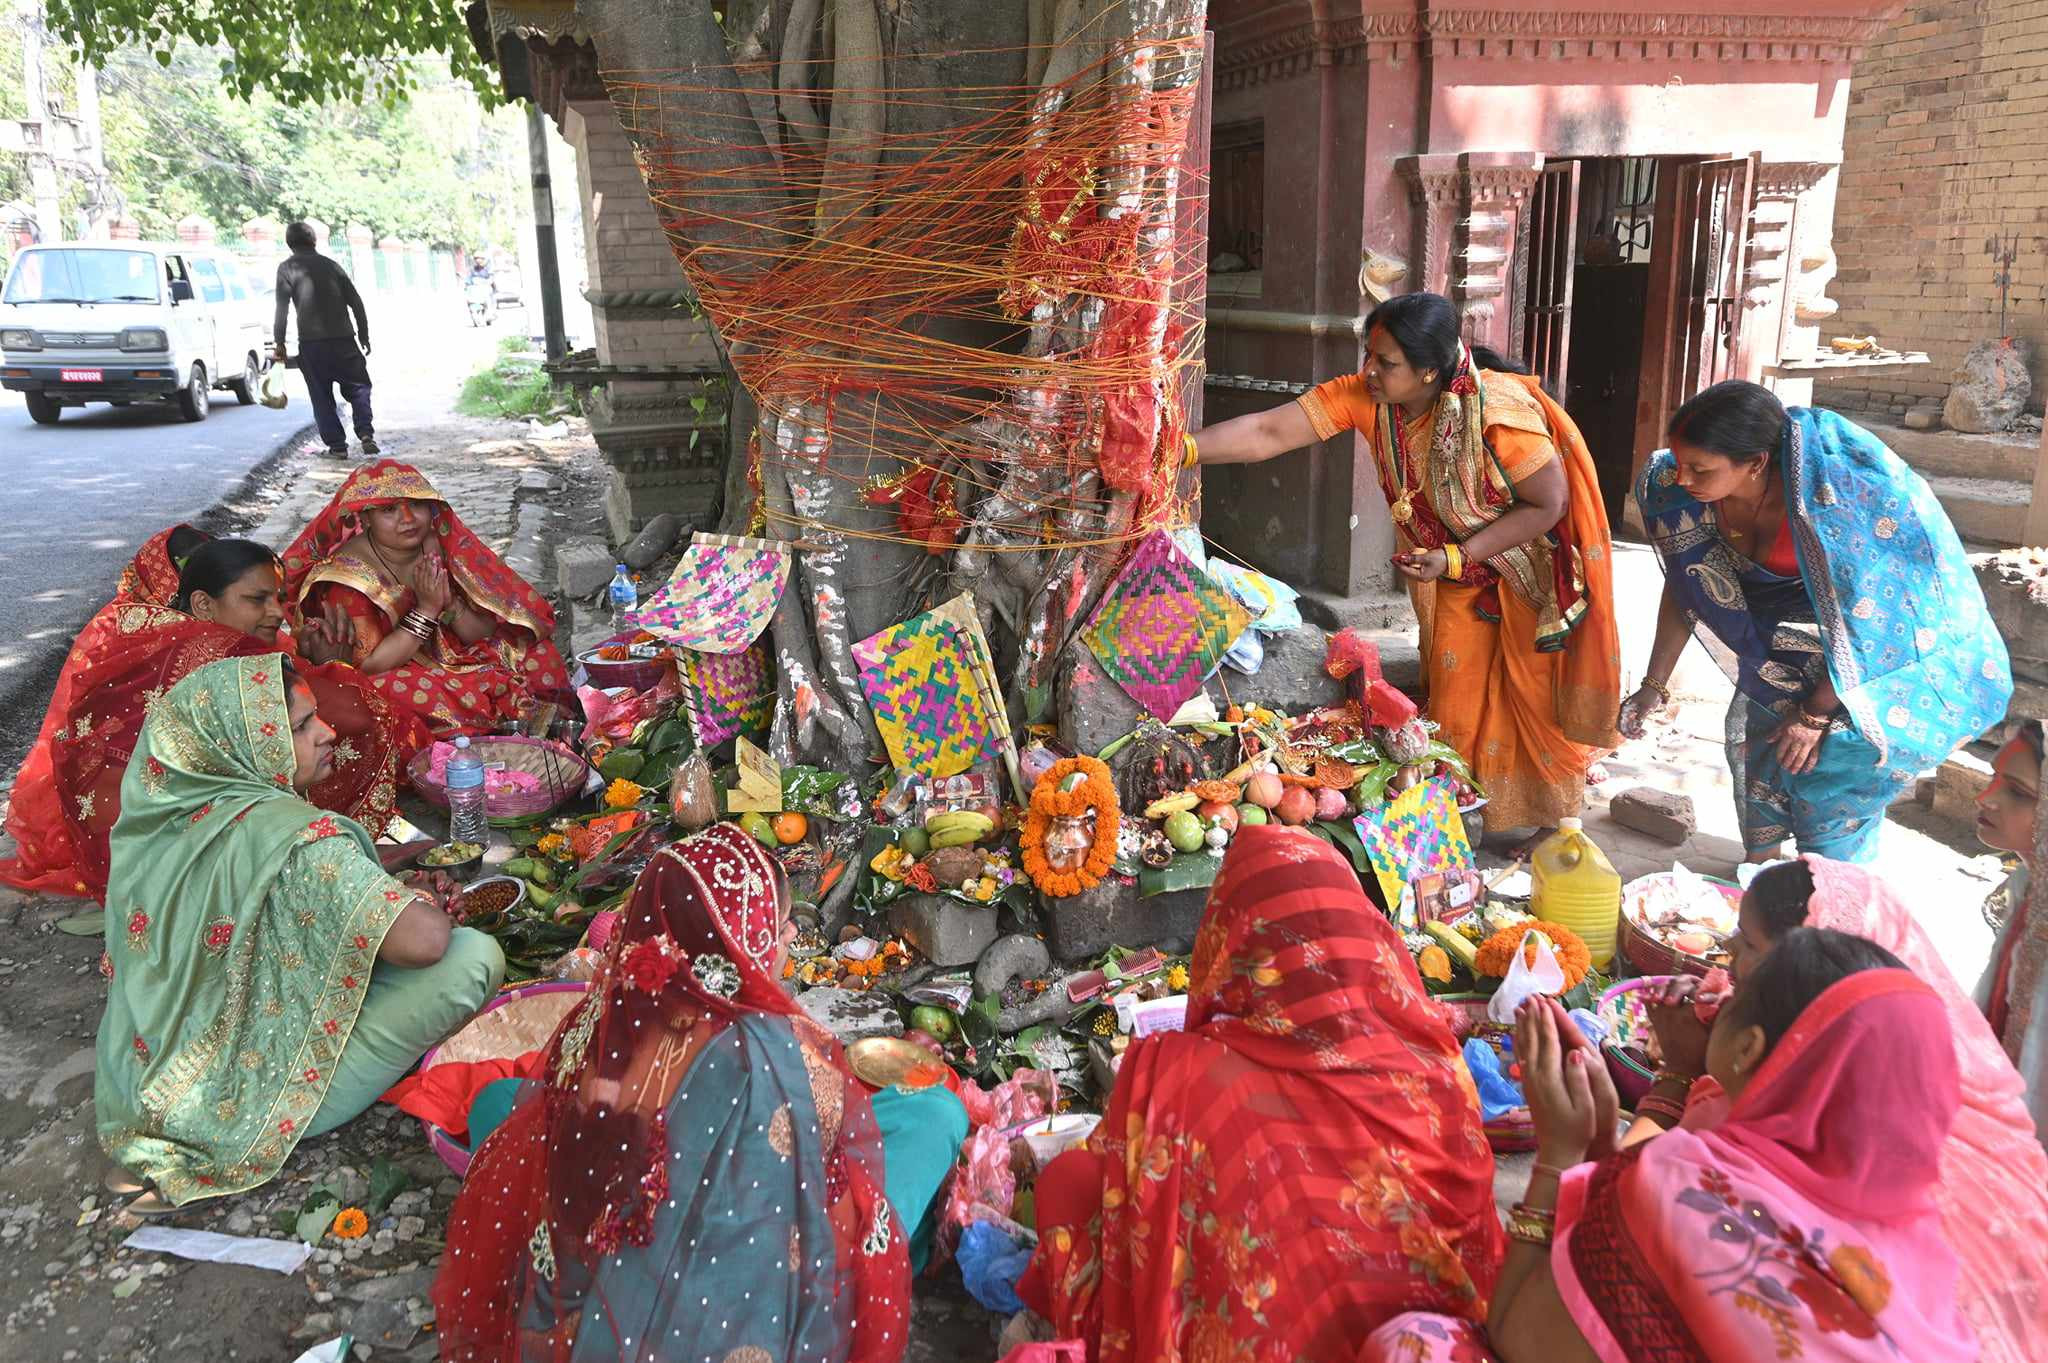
x: 68, y: 793
x: 451, y: 686
x: 1304, y: 1162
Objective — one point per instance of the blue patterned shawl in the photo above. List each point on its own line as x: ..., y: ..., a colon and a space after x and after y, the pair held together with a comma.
x: 1885, y: 599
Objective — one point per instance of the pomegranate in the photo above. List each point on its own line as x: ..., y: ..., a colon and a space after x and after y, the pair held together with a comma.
x: 1297, y: 805
x: 1331, y: 804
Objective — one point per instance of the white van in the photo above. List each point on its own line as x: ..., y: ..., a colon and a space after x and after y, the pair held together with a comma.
x: 126, y: 322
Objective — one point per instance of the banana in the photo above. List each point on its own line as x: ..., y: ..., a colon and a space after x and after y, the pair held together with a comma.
x: 1170, y: 805
x: 1452, y: 941
x: 956, y: 822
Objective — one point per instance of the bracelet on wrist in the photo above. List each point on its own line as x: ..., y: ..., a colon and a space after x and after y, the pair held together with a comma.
x: 1663, y: 691
x: 1678, y: 1077
x: 1193, y: 455
x: 1454, y: 561
x: 1531, y: 1225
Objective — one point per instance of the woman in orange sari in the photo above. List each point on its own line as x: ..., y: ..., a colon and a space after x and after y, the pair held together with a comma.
x: 442, y: 626
x: 1504, y: 546
x: 186, y: 600
x: 1300, y: 1165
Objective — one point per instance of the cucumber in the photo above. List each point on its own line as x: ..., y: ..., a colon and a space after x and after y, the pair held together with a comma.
x: 523, y: 867
x: 540, y: 899
x: 542, y: 873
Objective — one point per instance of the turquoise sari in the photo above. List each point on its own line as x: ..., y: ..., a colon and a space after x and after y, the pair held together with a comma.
x: 1884, y: 605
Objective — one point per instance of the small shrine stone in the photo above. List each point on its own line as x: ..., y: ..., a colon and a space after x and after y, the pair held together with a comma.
x: 948, y: 932
x: 1988, y: 389
x: 850, y: 1017
x: 656, y: 538
x: 1658, y: 813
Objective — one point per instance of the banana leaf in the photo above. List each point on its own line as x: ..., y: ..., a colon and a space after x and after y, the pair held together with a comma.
x: 1345, y: 839
x: 1187, y: 871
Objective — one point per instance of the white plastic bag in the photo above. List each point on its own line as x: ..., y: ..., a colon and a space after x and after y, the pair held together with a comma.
x: 271, y: 391
x: 1525, y: 981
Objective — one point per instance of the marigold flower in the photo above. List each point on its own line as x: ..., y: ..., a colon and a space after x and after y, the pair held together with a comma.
x: 623, y: 794
x: 350, y: 1224
x: 1497, y: 952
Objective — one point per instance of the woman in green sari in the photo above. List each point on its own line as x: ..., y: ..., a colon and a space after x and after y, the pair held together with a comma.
x: 267, y: 979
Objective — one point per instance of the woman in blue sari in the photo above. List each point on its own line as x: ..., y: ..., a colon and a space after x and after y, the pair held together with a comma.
x: 1824, y: 578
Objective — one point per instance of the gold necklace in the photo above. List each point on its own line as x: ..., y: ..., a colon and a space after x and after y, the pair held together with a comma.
x: 1402, y: 508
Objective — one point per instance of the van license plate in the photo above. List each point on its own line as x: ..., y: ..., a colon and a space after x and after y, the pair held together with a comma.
x: 81, y: 375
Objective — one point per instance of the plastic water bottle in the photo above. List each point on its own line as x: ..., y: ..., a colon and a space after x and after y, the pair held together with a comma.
x: 467, y: 820
x: 625, y: 599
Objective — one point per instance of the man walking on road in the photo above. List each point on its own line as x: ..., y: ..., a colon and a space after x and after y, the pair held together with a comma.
x: 329, y: 352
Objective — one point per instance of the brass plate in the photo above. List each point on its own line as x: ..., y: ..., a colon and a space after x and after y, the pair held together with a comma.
x: 891, y: 1062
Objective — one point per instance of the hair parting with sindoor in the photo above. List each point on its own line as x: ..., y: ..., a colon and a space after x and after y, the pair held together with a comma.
x: 216, y: 566
x: 1735, y: 419
x: 1428, y: 328
x: 1805, y: 963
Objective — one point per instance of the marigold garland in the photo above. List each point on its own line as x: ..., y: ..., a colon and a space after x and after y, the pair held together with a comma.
x: 1049, y: 802
x: 1497, y: 952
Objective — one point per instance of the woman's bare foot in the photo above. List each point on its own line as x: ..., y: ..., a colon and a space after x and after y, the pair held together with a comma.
x: 121, y: 1183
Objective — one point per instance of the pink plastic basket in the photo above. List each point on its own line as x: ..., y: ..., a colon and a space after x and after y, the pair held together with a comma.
x: 562, y: 774
x: 515, y: 1022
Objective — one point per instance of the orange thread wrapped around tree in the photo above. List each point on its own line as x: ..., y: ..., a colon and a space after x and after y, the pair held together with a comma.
x: 1095, y: 794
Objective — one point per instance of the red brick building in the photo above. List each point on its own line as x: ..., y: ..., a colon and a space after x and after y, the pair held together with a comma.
x: 1635, y: 199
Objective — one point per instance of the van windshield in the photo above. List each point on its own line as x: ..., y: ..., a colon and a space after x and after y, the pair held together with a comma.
x: 88, y: 276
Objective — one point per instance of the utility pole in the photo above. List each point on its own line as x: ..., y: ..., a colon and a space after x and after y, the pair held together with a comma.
x: 557, y: 340
x: 42, y: 164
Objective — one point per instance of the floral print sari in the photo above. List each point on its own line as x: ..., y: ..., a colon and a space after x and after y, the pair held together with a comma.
x: 1803, y: 1227
x: 1302, y: 1163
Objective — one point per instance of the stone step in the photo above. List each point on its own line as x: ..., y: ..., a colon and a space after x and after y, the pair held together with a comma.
x: 1989, y: 511
x: 1952, y: 454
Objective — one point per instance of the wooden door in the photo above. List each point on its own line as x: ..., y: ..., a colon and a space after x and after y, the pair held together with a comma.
x: 1713, y: 206
x: 1547, y: 271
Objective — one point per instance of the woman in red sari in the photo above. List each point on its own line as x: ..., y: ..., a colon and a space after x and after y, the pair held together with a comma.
x: 442, y: 626
x: 68, y: 793
x: 696, y: 1173
x: 1303, y: 1163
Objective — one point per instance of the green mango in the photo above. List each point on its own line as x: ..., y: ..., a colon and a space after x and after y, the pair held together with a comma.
x: 523, y: 867
x: 540, y: 899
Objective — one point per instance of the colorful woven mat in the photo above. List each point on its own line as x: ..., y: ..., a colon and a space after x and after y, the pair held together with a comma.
x: 727, y: 693
x: 929, y: 681
x: 1416, y: 833
x: 1163, y: 626
x: 721, y: 596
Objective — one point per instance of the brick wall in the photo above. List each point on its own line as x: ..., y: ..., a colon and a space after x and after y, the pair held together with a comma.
x: 1947, y: 146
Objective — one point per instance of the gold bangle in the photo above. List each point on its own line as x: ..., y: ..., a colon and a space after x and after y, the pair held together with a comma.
x: 1194, y: 451
x: 1663, y: 691
x: 1454, y: 562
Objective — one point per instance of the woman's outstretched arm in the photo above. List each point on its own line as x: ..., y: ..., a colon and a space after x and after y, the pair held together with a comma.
x: 1256, y: 436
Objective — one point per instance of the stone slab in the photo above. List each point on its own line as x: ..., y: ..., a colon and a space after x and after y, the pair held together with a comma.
x: 946, y: 931
x: 850, y: 1016
x: 583, y: 565
x: 1112, y: 914
x: 1662, y: 814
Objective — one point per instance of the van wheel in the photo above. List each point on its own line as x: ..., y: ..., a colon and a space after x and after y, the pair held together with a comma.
x: 43, y: 409
x: 193, y: 399
x: 244, y: 387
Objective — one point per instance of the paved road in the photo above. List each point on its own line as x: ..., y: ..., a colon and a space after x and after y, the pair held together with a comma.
x: 75, y: 501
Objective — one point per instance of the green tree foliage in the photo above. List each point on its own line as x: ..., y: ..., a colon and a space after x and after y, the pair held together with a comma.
x: 299, y: 52
x: 431, y: 165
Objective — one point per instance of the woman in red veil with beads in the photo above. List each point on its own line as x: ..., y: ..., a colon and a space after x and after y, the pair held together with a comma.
x: 442, y: 626
x: 696, y: 1172
x: 140, y: 644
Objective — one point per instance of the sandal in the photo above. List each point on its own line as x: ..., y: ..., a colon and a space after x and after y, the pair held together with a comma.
x: 150, y: 1204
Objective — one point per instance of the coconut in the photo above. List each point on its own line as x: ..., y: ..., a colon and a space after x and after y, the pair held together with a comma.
x: 1264, y: 790
x: 1297, y: 805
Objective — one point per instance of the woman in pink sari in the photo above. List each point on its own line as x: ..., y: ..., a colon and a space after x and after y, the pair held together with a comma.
x: 1803, y: 1226
x: 1993, y: 1192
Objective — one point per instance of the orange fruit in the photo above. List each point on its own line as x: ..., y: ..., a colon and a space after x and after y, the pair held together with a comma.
x: 790, y: 828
